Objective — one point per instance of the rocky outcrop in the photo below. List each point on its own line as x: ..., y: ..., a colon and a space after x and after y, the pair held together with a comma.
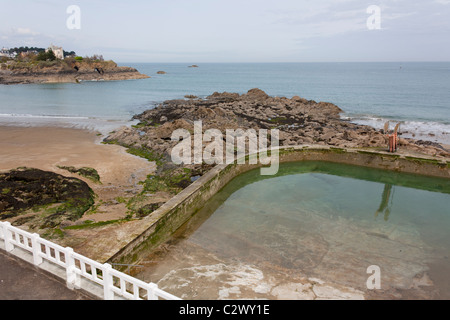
x: 66, y: 71
x: 42, y: 199
x: 298, y: 120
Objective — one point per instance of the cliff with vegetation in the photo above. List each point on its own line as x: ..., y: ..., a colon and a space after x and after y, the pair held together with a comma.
x: 68, y: 70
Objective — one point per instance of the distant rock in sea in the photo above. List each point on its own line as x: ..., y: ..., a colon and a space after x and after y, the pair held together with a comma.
x: 161, y: 72
x: 193, y: 66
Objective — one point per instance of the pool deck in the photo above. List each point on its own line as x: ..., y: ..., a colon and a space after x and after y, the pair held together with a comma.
x: 20, y: 280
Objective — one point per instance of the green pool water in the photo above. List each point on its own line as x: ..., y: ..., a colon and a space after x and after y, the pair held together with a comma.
x: 311, y: 232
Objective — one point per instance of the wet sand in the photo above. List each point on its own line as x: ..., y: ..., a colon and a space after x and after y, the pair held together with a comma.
x: 46, y: 148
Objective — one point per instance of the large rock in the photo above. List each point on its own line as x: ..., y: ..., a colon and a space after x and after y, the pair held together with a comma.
x: 256, y: 94
x: 62, y: 198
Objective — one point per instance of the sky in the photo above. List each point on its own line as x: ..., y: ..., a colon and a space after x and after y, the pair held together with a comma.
x: 199, y: 31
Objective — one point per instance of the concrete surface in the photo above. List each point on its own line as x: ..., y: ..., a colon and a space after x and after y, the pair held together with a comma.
x: 20, y: 280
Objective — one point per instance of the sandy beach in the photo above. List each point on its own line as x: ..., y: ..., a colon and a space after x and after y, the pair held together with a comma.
x: 46, y: 148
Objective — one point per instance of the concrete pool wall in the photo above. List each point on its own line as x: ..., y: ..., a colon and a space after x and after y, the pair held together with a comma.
x: 162, y: 223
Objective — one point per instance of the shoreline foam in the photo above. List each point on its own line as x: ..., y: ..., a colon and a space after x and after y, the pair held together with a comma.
x: 415, y: 129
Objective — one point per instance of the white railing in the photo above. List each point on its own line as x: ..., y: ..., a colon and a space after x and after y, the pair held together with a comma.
x: 80, y: 269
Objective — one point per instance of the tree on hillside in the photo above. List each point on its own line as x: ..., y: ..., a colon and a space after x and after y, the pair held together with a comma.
x: 26, y: 49
x: 46, y: 56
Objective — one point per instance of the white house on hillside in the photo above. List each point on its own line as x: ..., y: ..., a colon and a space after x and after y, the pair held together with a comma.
x: 58, y: 51
x: 5, y: 53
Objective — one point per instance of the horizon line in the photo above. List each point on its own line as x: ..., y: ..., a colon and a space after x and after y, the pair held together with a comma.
x: 286, y: 62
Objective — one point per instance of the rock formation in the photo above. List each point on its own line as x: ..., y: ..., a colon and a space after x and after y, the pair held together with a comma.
x: 65, y: 71
x: 41, y: 198
x: 298, y: 120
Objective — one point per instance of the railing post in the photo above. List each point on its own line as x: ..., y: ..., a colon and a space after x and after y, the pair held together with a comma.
x: 36, y: 246
x: 72, y: 278
x: 108, y: 294
x: 8, y: 237
x: 151, y: 294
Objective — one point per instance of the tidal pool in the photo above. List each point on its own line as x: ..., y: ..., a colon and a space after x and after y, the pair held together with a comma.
x: 311, y: 232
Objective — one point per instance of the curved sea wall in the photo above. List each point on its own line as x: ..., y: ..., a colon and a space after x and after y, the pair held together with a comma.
x: 162, y: 223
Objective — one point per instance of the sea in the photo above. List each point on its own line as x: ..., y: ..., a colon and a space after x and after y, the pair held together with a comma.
x: 416, y: 95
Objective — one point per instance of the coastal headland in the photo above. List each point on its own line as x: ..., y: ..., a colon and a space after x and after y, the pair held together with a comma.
x: 68, y: 70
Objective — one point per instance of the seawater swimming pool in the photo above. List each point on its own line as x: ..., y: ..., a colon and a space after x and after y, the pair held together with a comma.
x: 311, y: 232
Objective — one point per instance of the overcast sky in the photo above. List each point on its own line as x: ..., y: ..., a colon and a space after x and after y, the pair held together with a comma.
x: 233, y: 30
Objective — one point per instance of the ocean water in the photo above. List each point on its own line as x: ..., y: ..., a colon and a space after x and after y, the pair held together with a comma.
x: 415, y: 94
